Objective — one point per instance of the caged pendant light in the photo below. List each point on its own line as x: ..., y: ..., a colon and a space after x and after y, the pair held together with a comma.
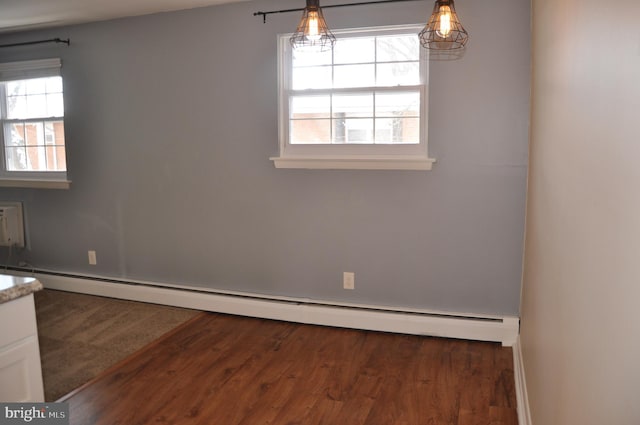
x: 444, y: 30
x: 312, y: 32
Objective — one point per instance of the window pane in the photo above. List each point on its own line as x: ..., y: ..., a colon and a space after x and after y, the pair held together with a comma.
x: 398, y: 104
x: 397, y: 131
x: 36, y: 160
x: 310, y: 131
x: 55, y: 150
x: 54, y: 133
x: 16, y: 107
x: 14, y: 134
x: 56, y: 160
x: 34, y: 133
x: 354, y: 76
x: 49, y: 134
x: 398, y: 74
x: 15, y: 88
x: 398, y: 48
x: 302, y: 57
x: 54, y: 85
x: 16, y: 159
x: 310, y: 107
x: 55, y: 105
x: 315, y: 77
x: 354, y: 50
x: 353, y: 105
x: 354, y: 130
x: 36, y: 106
x: 61, y: 158
x: 36, y: 86
x: 384, y: 131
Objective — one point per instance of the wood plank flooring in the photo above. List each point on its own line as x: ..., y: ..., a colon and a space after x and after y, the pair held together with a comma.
x: 226, y: 370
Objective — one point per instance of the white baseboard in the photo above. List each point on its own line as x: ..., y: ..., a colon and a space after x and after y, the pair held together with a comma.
x: 524, y: 415
x: 375, y: 318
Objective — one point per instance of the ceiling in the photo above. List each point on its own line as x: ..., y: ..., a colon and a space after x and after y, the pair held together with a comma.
x: 16, y: 15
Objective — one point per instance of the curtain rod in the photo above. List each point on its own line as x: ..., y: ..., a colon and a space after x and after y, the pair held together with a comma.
x: 29, y: 43
x: 264, y: 14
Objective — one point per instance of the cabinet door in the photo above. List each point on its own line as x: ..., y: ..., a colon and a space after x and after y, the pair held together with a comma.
x: 20, y: 372
x: 17, y: 320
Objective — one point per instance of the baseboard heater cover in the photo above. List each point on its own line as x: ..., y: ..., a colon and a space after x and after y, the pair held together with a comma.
x: 503, y: 329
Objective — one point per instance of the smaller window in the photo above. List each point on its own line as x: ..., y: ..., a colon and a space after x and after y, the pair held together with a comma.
x: 33, y: 150
x: 362, y: 104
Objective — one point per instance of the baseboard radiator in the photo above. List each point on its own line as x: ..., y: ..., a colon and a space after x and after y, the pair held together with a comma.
x: 503, y: 329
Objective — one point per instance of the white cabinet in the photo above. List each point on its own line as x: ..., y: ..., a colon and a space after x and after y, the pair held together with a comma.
x: 20, y: 371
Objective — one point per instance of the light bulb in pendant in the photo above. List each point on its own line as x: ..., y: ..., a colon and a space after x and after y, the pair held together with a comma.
x: 444, y: 21
x: 312, y: 32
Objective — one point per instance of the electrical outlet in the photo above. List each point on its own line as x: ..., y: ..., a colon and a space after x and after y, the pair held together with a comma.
x: 92, y: 258
x: 349, y: 280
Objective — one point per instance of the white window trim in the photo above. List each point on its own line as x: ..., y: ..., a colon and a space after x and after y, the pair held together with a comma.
x: 35, y: 183
x: 352, y: 156
x: 38, y: 179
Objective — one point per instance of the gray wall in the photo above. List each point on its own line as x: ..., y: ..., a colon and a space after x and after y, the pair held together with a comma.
x: 171, y: 119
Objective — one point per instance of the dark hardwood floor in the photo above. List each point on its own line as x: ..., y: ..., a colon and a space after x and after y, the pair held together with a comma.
x: 226, y: 370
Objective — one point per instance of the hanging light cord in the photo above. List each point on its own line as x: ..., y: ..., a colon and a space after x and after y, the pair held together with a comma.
x: 30, y: 43
x: 264, y: 14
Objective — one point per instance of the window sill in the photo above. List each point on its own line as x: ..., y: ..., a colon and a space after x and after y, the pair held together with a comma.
x: 35, y: 184
x: 351, y: 163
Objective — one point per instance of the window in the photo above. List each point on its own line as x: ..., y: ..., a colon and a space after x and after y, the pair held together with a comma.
x: 361, y: 105
x: 32, y: 116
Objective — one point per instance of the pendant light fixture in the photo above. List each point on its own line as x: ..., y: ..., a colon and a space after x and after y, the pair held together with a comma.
x: 444, y: 30
x: 312, y: 32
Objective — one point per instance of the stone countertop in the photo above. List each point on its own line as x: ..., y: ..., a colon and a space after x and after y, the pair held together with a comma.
x: 12, y: 287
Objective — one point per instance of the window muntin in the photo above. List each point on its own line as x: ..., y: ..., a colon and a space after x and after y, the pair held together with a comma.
x: 32, y: 116
x: 366, y: 97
